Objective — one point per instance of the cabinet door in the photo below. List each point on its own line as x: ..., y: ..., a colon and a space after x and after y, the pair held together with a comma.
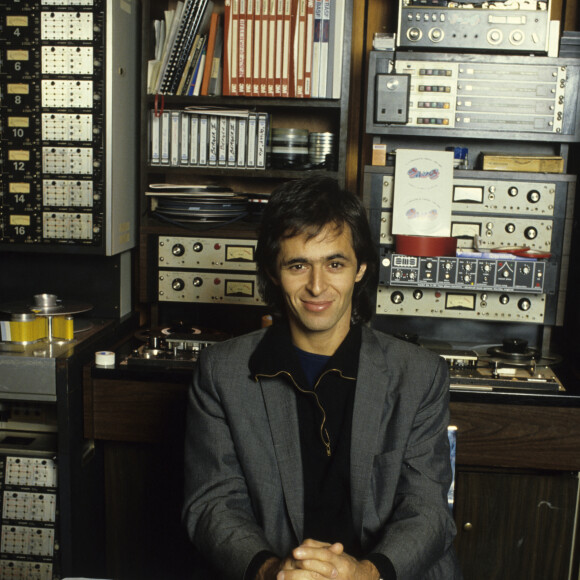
x: 515, y: 525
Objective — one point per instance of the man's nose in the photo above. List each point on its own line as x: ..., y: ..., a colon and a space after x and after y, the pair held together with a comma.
x: 316, y: 281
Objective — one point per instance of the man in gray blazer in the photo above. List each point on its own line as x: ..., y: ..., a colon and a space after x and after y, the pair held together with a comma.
x: 317, y: 448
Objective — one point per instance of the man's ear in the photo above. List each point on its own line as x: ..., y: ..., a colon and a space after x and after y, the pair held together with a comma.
x: 361, y: 272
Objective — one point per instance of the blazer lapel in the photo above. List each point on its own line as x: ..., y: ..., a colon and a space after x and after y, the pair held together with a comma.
x: 282, y: 415
x: 368, y: 407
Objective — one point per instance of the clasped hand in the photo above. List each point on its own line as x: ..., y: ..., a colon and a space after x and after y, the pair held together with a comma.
x: 319, y: 560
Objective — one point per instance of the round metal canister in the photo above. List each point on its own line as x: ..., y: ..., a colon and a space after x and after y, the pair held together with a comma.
x: 289, y: 148
x: 320, y: 145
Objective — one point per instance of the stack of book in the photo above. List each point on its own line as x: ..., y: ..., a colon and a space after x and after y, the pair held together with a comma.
x: 188, y: 49
x: 254, y: 48
x: 283, y: 48
x: 209, y: 136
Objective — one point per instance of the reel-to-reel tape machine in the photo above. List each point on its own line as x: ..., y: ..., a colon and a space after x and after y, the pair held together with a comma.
x: 512, y: 367
x: 171, y: 347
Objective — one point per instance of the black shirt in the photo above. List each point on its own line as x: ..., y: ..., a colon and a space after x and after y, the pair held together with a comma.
x: 325, y: 403
x: 325, y: 417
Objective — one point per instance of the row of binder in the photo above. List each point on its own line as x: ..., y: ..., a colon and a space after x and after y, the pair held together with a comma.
x: 178, y: 44
x: 258, y: 48
x: 196, y: 138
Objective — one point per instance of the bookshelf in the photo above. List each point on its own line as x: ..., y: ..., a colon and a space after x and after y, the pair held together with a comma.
x: 315, y: 114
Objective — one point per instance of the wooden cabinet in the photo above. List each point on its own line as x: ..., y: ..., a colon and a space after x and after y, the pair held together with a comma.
x: 515, y: 495
x: 515, y: 524
x: 516, y: 489
x: 139, y: 423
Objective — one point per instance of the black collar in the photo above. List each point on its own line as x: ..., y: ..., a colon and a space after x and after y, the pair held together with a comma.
x: 276, y: 354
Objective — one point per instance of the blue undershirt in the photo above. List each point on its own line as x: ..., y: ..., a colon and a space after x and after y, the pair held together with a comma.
x: 312, y: 364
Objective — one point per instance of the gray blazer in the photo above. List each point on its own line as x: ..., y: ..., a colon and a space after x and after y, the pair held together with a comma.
x: 243, y: 471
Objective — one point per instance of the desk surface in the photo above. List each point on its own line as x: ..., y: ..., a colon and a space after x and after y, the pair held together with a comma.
x: 523, y: 430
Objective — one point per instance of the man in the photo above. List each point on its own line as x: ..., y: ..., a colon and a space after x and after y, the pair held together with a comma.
x: 318, y: 448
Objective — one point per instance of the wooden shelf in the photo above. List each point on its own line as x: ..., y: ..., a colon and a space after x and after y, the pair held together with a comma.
x: 172, y: 101
x: 230, y: 171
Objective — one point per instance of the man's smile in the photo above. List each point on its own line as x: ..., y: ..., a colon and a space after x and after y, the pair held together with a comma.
x: 316, y: 306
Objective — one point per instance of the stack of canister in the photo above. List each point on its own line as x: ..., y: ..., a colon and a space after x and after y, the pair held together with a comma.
x: 320, y: 146
x: 289, y: 148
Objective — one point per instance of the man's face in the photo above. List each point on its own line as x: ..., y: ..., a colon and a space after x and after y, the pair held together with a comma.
x: 317, y: 278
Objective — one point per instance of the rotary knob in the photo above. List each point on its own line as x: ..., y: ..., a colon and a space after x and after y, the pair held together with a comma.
x: 524, y: 304
x: 534, y: 196
x: 197, y: 281
x: 494, y: 36
x: 436, y: 34
x: 414, y: 34
x: 178, y: 250
x: 197, y: 247
x: 397, y: 297
x: 178, y: 284
x: 531, y: 233
x: 517, y: 37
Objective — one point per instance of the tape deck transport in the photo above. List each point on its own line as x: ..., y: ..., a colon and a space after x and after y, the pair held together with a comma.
x: 173, y: 347
x: 510, y: 367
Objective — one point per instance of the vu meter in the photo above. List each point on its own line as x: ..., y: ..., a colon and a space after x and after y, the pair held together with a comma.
x: 240, y: 253
x: 239, y: 288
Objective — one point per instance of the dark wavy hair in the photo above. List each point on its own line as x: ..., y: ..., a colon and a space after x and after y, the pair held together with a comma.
x: 307, y: 206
